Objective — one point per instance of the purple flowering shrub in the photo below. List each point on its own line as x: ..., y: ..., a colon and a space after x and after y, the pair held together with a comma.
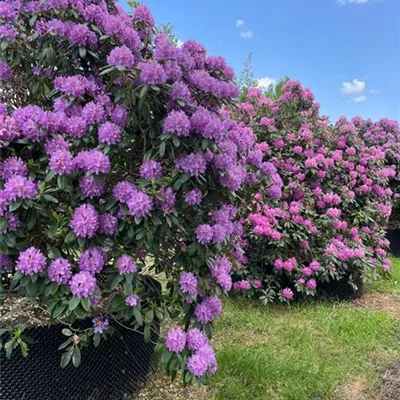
x: 118, y: 161
x: 336, y: 199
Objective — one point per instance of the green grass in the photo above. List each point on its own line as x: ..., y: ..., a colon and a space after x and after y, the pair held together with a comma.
x: 302, y: 352
x: 392, y: 283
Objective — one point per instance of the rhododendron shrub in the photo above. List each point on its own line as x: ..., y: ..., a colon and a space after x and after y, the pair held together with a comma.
x: 385, y: 134
x: 335, y: 201
x: 117, y: 162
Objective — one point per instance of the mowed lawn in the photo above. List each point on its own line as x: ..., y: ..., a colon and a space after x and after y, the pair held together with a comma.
x: 310, y: 351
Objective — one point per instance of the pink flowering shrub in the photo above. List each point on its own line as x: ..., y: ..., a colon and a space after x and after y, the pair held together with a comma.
x: 117, y: 162
x: 335, y: 200
x: 385, y: 134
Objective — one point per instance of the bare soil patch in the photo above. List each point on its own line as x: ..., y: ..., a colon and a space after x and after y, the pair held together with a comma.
x: 381, y: 302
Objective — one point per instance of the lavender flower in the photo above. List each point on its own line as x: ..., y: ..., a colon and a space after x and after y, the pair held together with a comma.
x: 82, y: 284
x: 60, y: 271
x: 5, y: 263
x: 204, y: 234
x: 194, y: 164
x: 178, y: 123
x: 62, y: 162
x: 193, y: 197
x: 126, y: 265
x: 196, y: 339
x: 12, y: 166
x: 90, y: 188
x: 122, y: 56
x: 176, y: 340
x: 132, y: 300
x: 110, y: 133
x: 108, y: 224
x: 123, y: 191
x: 188, y: 283
x: 5, y: 71
x: 152, y: 73
x: 100, y: 324
x: 85, y: 221
x: 31, y: 261
x: 92, y: 260
x: 139, y: 204
x: 151, y: 170
x: 19, y: 187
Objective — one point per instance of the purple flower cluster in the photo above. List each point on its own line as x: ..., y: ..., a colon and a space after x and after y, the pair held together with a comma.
x: 60, y: 271
x: 31, y: 261
x: 220, y: 271
x: 126, y: 265
x: 85, y: 221
x: 132, y: 300
x: 193, y: 197
x: 82, y: 284
x: 92, y: 260
x: 175, y: 341
x: 193, y: 164
x: 122, y: 56
x: 208, y: 309
x: 188, y: 283
x: 100, y: 324
x: 151, y: 170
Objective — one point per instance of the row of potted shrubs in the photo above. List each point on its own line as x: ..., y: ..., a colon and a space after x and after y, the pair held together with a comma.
x: 124, y: 156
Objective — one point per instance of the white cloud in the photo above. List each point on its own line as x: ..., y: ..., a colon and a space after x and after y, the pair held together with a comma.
x: 179, y: 43
x: 358, y: 99
x: 247, y: 35
x: 353, y: 88
x: 354, y: 1
x: 239, y: 23
x: 374, y: 91
x: 266, y: 82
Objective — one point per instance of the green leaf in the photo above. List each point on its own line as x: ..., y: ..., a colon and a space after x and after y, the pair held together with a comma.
x: 62, y: 182
x: 54, y: 253
x: 149, y: 317
x: 143, y: 92
x: 73, y: 303
x: 180, y: 181
x: 82, y: 52
x: 96, y: 339
x: 86, y: 304
x: 59, y: 310
x: 50, y: 198
x: 166, y: 357
x: 70, y: 237
x: 161, y: 151
x: 66, y: 357
x: 67, y: 332
x: 9, y: 347
x: 138, y: 316
x: 65, y: 344
x: 76, y: 357
x: 15, y: 205
x: 147, y: 333
x: 31, y: 289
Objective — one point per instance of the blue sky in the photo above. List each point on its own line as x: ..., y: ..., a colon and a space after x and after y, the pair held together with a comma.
x: 346, y: 51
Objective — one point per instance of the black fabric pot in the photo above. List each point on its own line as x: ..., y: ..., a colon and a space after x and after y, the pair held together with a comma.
x: 114, y: 370
x: 118, y: 367
x: 342, y: 289
x: 393, y: 235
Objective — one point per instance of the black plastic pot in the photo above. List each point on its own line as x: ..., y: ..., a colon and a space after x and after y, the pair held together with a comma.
x: 117, y: 368
x: 343, y: 289
x: 393, y: 235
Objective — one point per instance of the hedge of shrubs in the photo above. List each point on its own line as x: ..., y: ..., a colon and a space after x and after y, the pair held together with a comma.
x: 329, y: 224
x: 125, y: 156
